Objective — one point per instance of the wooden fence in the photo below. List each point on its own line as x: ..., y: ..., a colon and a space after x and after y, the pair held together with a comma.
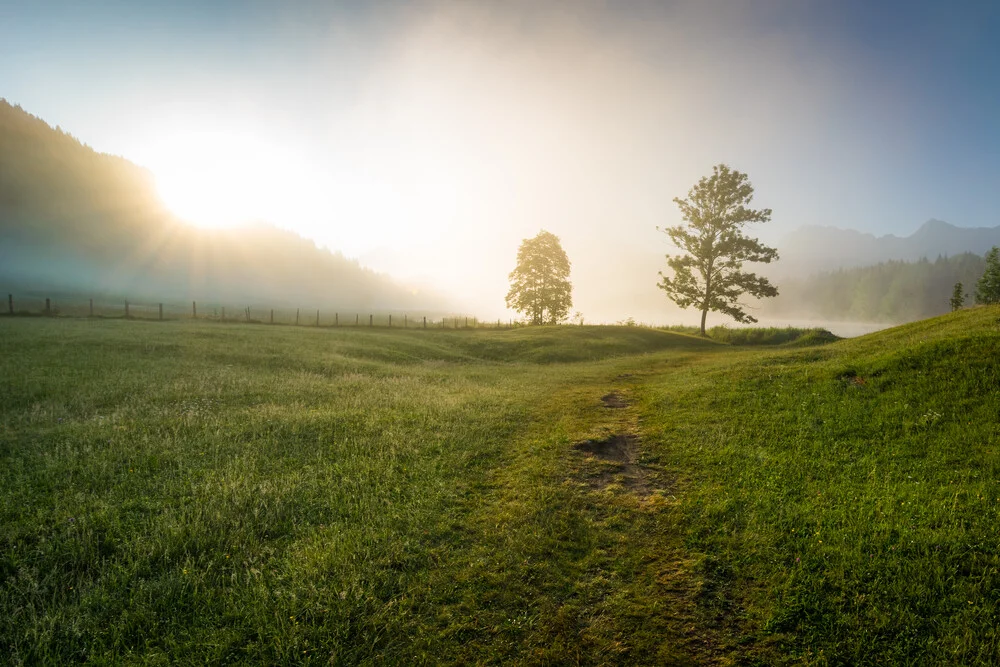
x: 30, y: 305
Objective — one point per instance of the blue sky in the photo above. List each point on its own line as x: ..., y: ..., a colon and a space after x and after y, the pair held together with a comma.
x: 925, y: 76
x: 481, y: 122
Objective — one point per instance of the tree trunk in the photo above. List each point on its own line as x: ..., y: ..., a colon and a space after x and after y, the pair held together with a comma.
x: 708, y: 293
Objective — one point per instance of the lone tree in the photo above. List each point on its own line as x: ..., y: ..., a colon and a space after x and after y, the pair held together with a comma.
x: 957, y: 298
x: 709, y: 274
x: 988, y: 287
x: 539, y: 286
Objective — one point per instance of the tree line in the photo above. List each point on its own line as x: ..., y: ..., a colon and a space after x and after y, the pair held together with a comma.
x: 894, y: 291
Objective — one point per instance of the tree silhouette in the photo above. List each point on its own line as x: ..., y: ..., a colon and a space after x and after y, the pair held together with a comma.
x: 988, y: 287
x: 709, y: 275
x: 539, y: 285
x: 957, y: 298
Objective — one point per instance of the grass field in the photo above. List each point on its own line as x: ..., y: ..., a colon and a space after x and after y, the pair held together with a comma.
x: 195, y: 493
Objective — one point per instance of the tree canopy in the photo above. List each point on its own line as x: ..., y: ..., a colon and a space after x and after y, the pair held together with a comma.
x: 708, y: 274
x: 539, y: 285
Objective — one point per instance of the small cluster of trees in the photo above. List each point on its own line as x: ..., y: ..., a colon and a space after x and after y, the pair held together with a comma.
x: 988, y: 287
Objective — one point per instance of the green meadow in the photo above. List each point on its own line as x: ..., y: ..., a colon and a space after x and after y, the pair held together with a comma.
x: 201, y: 493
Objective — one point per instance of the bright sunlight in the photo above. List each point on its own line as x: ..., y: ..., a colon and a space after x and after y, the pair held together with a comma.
x: 218, y: 179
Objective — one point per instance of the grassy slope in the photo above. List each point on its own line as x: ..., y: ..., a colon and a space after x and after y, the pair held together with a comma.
x: 846, y: 498
x: 205, y: 493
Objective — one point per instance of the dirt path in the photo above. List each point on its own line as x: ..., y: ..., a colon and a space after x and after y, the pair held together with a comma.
x: 660, y: 596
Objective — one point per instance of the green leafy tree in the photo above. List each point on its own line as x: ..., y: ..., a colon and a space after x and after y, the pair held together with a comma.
x: 709, y: 275
x: 539, y: 285
x: 957, y: 298
x: 988, y: 287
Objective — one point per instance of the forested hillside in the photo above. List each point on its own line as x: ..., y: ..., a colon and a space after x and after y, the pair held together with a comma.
x: 73, y: 219
x: 886, y: 292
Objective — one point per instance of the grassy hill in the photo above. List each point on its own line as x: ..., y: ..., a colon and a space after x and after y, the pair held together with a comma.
x: 247, y: 494
x: 847, y: 496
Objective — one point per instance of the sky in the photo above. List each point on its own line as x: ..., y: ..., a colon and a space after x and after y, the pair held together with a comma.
x: 428, y: 138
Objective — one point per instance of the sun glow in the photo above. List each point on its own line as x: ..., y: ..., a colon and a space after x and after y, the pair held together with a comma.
x: 359, y: 193
x: 217, y: 179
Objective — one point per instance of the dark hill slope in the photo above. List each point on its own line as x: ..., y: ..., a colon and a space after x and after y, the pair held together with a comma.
x: 75, y: 219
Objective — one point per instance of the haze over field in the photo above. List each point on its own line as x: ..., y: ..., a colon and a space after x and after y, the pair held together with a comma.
x: 426, y: 139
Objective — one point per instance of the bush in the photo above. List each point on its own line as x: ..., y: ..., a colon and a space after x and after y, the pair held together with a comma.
x: 761, y: 335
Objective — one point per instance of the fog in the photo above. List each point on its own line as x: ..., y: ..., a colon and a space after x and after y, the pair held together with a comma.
x: 482, y: 125
x: 428, y: 139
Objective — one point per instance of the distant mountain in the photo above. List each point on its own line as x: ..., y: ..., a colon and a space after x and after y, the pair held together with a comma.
x: 76, y: 220
x: 812, y: 249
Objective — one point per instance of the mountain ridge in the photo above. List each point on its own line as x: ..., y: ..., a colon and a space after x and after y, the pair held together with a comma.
x: 816, y: 248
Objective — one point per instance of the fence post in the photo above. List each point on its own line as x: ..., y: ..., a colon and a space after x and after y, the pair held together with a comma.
x: 371, y: 320
x: 91, y: 308
x: 404, y: 320
x: 390, y: 320
x: 10, y: 303
x: 126, y: 310
x: 194, y: 310
x: 248, y: 314
x: 336, y: 319
x: 466, y: 323
x: 425, y: 321
x: 272, y: 316
x: 356, y: 319
x: 48, y: 307
x: 161, y: 312
x: 317, y: 317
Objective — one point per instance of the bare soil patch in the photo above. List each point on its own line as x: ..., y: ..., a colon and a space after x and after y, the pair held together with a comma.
x: 616, y: 447
x: 616, y: 463
x: 613, y: 400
